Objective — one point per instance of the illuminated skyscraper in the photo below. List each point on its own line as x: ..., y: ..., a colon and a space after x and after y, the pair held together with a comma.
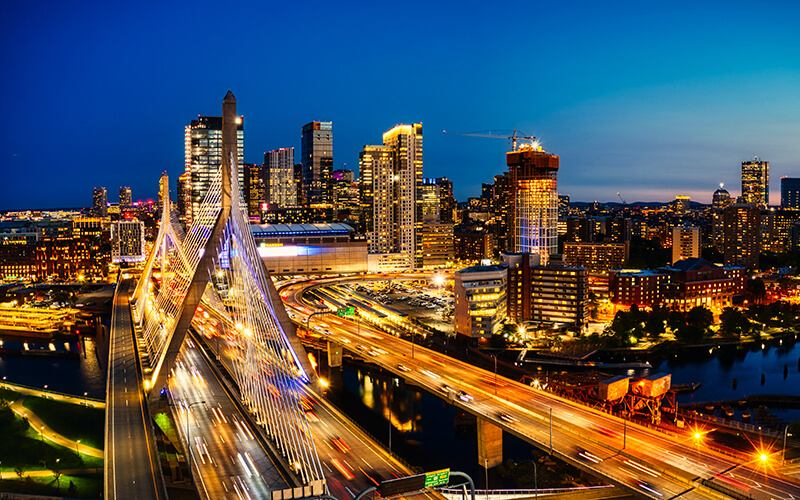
x: 742, y: 234
x: 316, y: 150
x: 253, y: 189
x: 755, y: 182
x: 376, y: 168
x: 184, y: 195
x: 279, y: 183
x: 406, y: 142
x: 124, y: 197
x: 431, y: 198
x: 203, y: 151
x: 99, y: 202
x: 533, y: 175
x: 685, y: 242
x: 447, y: 203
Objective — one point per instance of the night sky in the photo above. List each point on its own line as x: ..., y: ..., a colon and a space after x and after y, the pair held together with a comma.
x: 648, y: 100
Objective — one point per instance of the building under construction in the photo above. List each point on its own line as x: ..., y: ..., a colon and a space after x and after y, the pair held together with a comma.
x: 535, y: 201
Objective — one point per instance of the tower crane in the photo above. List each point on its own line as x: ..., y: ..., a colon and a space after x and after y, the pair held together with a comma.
x: 513, y: 137
x: 622, y: 199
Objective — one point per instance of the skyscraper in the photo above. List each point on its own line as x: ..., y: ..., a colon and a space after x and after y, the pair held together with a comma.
x: 184, y: 195
x: 406, y: 142
x: 755, y: 182
x: 124, y: 197
x: 99, y: 202
x: 790, y: 192
x: 447, y: 203
x: 533, y: 176
x: 376, y: 168
x: 203, y: 153
x: 253, y: 189
x: 279, y: 181
x: 685, y: 242
x: 431, y: 198
x: 316, y: 150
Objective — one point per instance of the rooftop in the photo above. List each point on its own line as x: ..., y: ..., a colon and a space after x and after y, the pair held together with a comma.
x: 265, y: 230
x: 483, y: 269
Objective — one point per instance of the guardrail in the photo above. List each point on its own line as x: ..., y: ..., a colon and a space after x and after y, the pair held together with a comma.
x: 508, y: 494
x: 8, y: 385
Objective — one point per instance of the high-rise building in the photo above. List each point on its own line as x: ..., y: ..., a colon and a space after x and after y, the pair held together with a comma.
x: 254, y: 189
x: 431, y: 202
x: 376, y: 168
x: 125, y: 197
x: 316, y: 150
x: 742, y: 234
x: 533, y: 176
x: 790, y: 192
x: 447, y: 203
x: 406, y: 143
x: 203, y: 153
x: 682, y: 203
x: 184, y: 195
x: 279, y: 181
x: 685, y: 242
x: 346, y: 197
x: 755, y: 182
x: 99, y: 202
x: 720, y: 201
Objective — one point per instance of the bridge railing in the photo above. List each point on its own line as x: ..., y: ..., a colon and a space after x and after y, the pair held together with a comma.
x: 11, y: 386
x: 509, y: 494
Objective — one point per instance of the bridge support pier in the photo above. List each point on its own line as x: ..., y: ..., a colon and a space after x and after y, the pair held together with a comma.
x: 490, y: 444
x: 334, y: 355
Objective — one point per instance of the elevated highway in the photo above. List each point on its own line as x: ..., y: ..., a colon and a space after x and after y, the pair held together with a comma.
x: 645, y: 461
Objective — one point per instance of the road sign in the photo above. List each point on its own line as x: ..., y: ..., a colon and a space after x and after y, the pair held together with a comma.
x: 437, y: 478
x: 346, y: 311
x: 394, y: 487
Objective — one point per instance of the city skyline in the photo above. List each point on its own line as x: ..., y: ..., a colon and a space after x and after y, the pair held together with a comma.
x: 645, y: 101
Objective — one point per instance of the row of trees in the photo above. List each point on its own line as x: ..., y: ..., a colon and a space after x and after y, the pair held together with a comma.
x: 694, y: 325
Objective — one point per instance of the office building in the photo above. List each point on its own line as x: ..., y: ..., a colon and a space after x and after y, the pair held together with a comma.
x: 473, y: 243
x: 790, y: 192
x: 721, y: 198
x: 376, y: 168
x: 316, y: 150
x: 479, y: 306
x: 204, y: 150
x: 127, y: 241
x: 436, y: 244
x: 685, y: 242
x: 682, y: 203
x: 253, y: 189
x: 742, y: 234
x: 533, y: 175
x: 279, y: 181
x: 755, y: 182
x: 125, y: 197
x: 447, y: 203
x: 346, y: 195
x: 99, y: 202
x: 431, y: 202
x: 641, y: 287
x: 184, y: 195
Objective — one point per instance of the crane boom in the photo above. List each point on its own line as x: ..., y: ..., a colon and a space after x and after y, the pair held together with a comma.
x: 622, y: 199
x: 513, y: 137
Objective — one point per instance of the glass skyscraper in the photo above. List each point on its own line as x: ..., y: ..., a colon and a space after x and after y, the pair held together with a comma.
x: 755, y: 182
x: 316, y: 150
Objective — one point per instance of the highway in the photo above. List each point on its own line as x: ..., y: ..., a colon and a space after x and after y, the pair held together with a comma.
x: 351, y: 461
x: 651, y: 464
x: 132, y: 469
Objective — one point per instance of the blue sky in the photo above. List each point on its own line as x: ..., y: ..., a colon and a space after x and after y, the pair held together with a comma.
x: 649, y: 100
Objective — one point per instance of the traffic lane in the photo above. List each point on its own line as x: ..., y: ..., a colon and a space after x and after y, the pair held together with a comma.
x: 223, y: 447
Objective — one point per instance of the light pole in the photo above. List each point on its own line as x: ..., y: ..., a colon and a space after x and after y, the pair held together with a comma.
x: 41, y: 435
x: 85, y: 403
x: 535, y: 477
x: 78, y: 447
x: 495, y: 374
x: 486, y: 468
x: 188, y: 439
x: 783, y: 454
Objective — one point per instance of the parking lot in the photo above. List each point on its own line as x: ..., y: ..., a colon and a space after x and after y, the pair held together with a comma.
x: 430, y: 304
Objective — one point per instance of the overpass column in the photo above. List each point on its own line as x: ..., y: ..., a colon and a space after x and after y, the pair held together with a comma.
x: 334, y: 354
x: 490, y: 444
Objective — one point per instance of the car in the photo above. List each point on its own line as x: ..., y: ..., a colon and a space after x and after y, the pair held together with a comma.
x: 447, y: 388
x: 463, y: 396
x: 506, y: 417
x: 403, y: 368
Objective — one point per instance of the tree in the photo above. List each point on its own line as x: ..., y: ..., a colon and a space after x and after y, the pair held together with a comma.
x: 756, y: 290
x: 654, y: 324
x: 734, y: 322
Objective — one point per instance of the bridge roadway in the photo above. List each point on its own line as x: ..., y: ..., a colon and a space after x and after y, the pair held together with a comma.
x: 351, y: 461
x: 652, y: 464
x: 132, y: 468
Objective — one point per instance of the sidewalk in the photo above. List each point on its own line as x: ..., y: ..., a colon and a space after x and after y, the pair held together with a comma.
x: 38, y: 425
x: 56, y: 396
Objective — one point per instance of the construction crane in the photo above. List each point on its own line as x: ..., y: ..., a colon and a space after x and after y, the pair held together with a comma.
x: 513, y: 137
x: 622, y: 199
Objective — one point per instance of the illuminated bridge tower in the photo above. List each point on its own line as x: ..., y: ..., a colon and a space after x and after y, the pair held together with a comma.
x: 535, y: 201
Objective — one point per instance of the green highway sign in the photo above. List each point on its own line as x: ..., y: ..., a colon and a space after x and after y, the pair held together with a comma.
x: 437, y: 478
x: 346, y: 311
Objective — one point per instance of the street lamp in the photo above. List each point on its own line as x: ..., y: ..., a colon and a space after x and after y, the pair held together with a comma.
x: 78, y: 448
x: 783, y: 454
x: 188, y: 439
x: 535, y: 477
x: 495, y: 372
x: 85, y: 403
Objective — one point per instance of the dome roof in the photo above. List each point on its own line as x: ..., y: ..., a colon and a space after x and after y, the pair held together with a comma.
x: 721, y: 192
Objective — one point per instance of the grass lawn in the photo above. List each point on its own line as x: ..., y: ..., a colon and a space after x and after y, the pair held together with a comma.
x: 85, y: 486
x: 70, y: 420
x: 26, y: 450
x: 9, y: 395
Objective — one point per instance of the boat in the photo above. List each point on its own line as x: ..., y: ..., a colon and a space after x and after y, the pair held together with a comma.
x: 683, y: 388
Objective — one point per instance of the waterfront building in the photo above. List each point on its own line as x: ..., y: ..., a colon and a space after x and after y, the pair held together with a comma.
x: 18, y: 261
x: 641, y: 287
x: 316, y: 150
x: 204, y: 150
x: 479, y: 306
x: 533, y: 176
x: 790, y: 192
x: 755, y: 182
x: 99, y: 202
x: 279, y: 181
